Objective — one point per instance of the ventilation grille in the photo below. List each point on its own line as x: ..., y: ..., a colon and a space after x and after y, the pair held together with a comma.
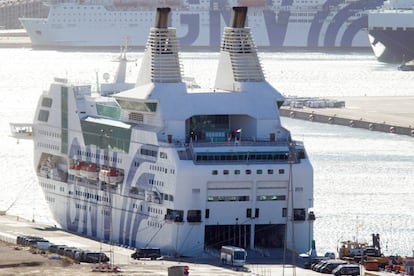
x: 238, y: 42
x: 165, y: 62
x: 136, y: 117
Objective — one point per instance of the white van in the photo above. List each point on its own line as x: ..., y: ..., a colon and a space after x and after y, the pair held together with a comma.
x: 233, y: 255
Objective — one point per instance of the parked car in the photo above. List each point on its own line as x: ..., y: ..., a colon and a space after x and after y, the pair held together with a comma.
x: 310, y: 261
x: 53, y: 248
x: 330, y: 265
x: 151, y: 253
x: 70, y: 252
x: 93, y: 257
x: 317, y: 266
x: 347, y: 269
x: 28, y: 240
x: 61, y: 250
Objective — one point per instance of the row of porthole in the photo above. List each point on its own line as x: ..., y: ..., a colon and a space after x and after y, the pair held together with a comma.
x: 48, y: 133
x: 47, y: 146
x: 48, y: 186
x: 161, y: 169
x: 248, y: 172
x: 100, y: 156
x: 50, y: 199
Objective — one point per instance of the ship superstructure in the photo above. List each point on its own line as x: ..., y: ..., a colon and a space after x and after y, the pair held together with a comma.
x: 275, y: 24
x: 391, y: 31
x: 156, y: 164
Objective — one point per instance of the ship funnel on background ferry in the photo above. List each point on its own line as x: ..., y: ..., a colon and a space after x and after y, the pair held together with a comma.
x: 238, y: 17
x: 161, y: 21
x: 161, y: 63
x: 239, y: 62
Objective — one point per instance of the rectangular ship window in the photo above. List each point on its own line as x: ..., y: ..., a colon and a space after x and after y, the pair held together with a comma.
x: 43, y: 115
x: 299, y: 214
x: 46, y: 102
x: 175, y: 215
x: 194, y: 216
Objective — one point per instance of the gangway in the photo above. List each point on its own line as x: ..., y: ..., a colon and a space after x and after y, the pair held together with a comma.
x: 21, y: 131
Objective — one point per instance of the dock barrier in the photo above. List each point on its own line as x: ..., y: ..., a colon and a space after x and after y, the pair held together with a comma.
x: 314, y: 116
x: 8, y: 238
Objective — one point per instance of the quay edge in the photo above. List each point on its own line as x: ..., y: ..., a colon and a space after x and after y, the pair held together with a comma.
x: 389, y: 114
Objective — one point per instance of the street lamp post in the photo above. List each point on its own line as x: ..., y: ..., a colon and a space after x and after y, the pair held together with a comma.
x: 290, y: 213
x: 106, y: 133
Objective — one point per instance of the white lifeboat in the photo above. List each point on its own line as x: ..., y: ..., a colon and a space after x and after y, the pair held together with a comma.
x: 92, y: 171
x: 111, y: 176
x: 72, y: 170
x: 77, y: 168
x: 83, y: 169
x: 103, y: 175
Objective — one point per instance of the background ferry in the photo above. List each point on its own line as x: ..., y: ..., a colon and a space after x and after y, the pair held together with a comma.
x: 275, y: 23
x: 391, y: 31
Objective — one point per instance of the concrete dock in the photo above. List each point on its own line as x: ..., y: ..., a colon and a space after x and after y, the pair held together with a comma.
x: 385, y: 114
x: 14, y: 39
x: 11, y: 227
x: 17, y: 263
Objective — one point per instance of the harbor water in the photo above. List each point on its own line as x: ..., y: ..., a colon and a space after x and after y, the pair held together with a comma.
x: 363, y: 181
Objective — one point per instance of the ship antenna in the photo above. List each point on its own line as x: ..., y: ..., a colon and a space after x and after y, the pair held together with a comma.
x: 97, y: 83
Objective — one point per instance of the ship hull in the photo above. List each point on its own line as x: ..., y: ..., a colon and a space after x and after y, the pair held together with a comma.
x: 87, y: 212
x: 392, y: 46
x: 391, y: 31
x: 103, y: 212
x: 168, y: 200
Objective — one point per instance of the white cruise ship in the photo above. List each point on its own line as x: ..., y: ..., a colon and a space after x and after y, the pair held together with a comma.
x: 307, y: 24
x: 157, y: 164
